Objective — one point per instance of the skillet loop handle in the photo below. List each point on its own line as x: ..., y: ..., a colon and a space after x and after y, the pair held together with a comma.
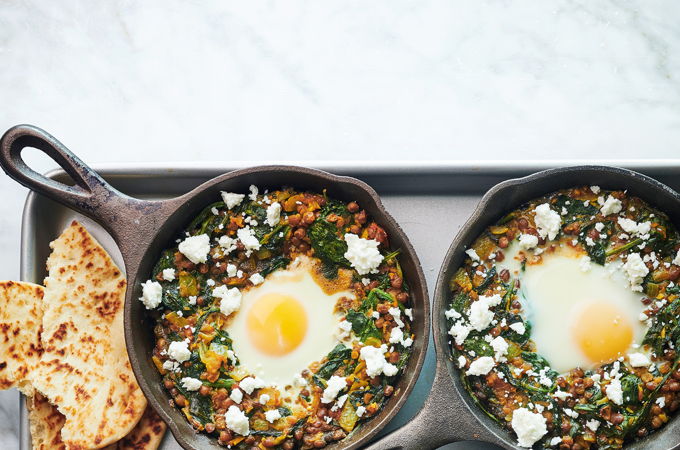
x: 87, y: 182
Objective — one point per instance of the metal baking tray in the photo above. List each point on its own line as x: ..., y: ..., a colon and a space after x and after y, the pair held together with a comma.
x: 429, y: 200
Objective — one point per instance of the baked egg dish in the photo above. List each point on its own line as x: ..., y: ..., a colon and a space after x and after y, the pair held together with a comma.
x: 282, y: 319
x: 564, y: 320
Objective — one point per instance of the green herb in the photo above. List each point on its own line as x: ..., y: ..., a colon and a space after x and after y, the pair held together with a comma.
x: 166, y: 261
x: 665, y: 328
x: 363, y: 326
x: 175, y: 302
x: 577, y: 210
x: 206, y: 221
x: 372, y: 299
x: 326, y: 243
x: 334, y: 207
x: 285, y: 412
x: 225, y: 383
x: 490, y: 276
x: 478, y: 345
x: 336, y: 358
x: 275, y: 263
x: 623, y: 248
x: 199, y: 322
x: 272, y: 433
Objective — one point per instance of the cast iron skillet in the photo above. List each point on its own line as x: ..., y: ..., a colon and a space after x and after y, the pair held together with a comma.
x: 143, y: 228
x: 449, y: 414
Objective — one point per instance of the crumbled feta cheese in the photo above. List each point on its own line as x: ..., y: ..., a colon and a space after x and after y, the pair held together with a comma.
x: 528, y: 426
x: 249, y: 384
x: 614, y: 391
x: 595, y: 189
x: 256, y: 279
x: 264, y: 398
x: 518, y: 327
x: 191, y: 384
x: 396, y: 314
x: 272, y: 415
x: 611, y: 206
x: 237, y: 421
x: 375, y: 361
x: 571, y: 413
x: 547, y: 221
x: 599, y: 226
x: 169, y: 274
x: 500, y: 346
x: 375, y: 315
x: 360, y: 411
x: 170, y: 365
x: 248, y: 239
x: 593, y: 424
x: 365, y: 281
x: 210, y: 282
x: 335, y: 385
x: 409, y: 313
x: 661, y: 401
x: 299, y: 380
x: 472, y: 254
x: 396, y: 336
x: 480, y: 317
x: 634, y: 228
x: 253, y: 192
x: 676, y: 260
x: 481, y: 366
x: 636, y: 270
x: 589, y: 241
x: 554, y: 441
x: 227, y: 243
x: 595, y: 377
x: 231, y: 270
x: 362, y: 253
x: 179, y: 351
x: 461, y: 361
x: 273, y: 214
x: 584, y: 263
x: 459, y: 331
x: 561, y: 395
x: 638, y: 359
x: 196, y: 248
x: 527, y: 241
x: 230, y: 298
x: 232, y: 199
x: 152, y: 294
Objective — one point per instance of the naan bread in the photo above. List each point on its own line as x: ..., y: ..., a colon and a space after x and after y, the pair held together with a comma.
x: 20, y: 326
x: 45, y: 423
x: 84, y: 369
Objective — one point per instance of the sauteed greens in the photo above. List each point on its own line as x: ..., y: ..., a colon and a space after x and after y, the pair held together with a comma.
x: 266, y: 264
x: 606, y: 402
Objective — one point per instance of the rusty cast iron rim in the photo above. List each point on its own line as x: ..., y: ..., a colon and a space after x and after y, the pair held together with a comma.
x: 141, y: 228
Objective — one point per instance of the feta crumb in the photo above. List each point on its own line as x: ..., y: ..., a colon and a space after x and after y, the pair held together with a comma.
x: 363, y: 254
x: 593, y: 424
x: 661, y: 401
x: 365, y: 281
x: 611, y: 206
x: 152, y: 294
x: 634, y: 228
x: 638, y: 359
x: 480, y: 317
x: 237, y: 421
x: 171, y: 365
x: 614, y: 391
x: 375, y: 315
x: 571, y: 413
x: 272, y: 415
x: 231, y: 199
x: 230, y: 299
x: 528, y: 426
x: 191, y: 384
x: 256, y: 279
x: 527, y: 241
x: 179, y: 351
x: 249, y: 384
x: 472, y: 254
x: 192, y: 299
x: 547, y: 221
x: 518, y: 327
x: 561, y: 395
x: 481, y: 366
x: 554, y: 441
x: 335, y: 385
x: 299, y: 380
x: 459, y: 331
x: 409, y: 313
x: 396, y: 336
x: 273, y: 214
x: 248, y: 239
x: 375, y: 361
x: 636, y: 270
x: 231, y: 270
x: 452, y: 314
x: 599, y: 226
x: 500, y: 347
x: 595, y: 189
x: 169, y: 274
x: 227, y: 243
x: 210, y: 282
x: 264, y: 398
x: 396, y: 314
x: 360, y: 411
x: 196, y: 248
x: 676, y: 260
x: 461, y: 361
x: 253, y: 192
x: 584, y: 263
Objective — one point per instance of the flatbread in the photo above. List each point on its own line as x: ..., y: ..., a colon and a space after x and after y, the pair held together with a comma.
x: 84, y: 369
x: 20, y: 325
x: 45, y: 423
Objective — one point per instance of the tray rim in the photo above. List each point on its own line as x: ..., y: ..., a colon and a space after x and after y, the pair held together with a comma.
x: 207, y: 169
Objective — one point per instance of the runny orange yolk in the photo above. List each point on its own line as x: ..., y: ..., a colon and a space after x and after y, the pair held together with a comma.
x: 277, y: 324
x: 602, y: 332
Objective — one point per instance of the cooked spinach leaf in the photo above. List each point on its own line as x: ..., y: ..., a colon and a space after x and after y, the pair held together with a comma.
x: 336, y: 359
x: 363, y: 326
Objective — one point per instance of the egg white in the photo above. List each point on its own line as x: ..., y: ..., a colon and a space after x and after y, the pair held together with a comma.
x: 554, y: 292
x: 322, y: 324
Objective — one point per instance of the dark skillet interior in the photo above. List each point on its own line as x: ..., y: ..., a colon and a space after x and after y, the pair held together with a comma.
x: 140, y: 328
x: 508, y: 196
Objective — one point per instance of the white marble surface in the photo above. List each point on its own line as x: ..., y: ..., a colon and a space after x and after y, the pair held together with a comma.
x: 172, y: 80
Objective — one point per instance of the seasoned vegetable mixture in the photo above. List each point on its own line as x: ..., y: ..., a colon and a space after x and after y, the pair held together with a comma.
x: 282, y: 319
x: 564, y: 320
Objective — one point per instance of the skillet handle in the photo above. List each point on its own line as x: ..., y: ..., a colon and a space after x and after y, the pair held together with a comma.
x: 130, y: 221
x: 442, y: 420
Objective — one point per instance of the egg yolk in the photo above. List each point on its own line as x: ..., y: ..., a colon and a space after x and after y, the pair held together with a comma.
x: 602, y: 332
x: 276, y: 324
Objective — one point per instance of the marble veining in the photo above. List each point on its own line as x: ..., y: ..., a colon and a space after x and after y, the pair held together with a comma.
x: 171, y: 80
